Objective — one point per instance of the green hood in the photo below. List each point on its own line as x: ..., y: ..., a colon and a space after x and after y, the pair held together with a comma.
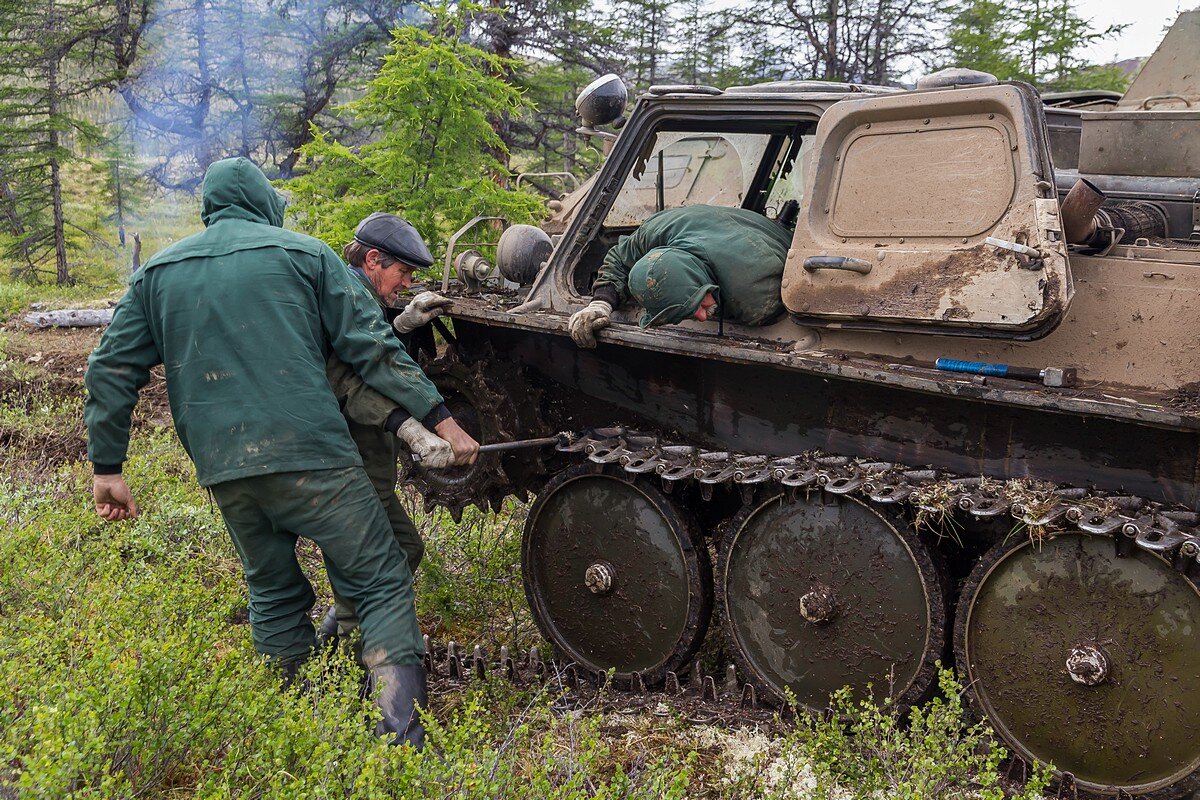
x: 235, y: 188
x: 670, y: 284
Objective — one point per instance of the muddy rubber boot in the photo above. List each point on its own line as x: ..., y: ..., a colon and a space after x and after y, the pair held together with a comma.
x: 289, y: 673
x: 402, y: 691
x: 327, y: 631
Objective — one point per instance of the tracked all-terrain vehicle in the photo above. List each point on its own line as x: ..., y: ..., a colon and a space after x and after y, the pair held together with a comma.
x: 845, y: 510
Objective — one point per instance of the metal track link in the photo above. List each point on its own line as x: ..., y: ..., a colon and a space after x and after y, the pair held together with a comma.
x: 700, y: 699
x: 1172, y: 533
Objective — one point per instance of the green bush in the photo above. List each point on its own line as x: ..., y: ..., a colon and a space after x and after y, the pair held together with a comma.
x: 864, y: 749
x: 469, y: 585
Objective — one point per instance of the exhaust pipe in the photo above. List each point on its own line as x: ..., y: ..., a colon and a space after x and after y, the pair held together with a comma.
x: 1086, y: 221
x: 1078, y: 212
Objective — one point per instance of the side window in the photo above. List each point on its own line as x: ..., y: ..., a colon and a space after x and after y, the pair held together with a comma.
x: 695, y: 169
x: 753, y: 165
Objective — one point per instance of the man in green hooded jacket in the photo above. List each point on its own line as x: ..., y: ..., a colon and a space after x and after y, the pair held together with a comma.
x: 695, y: 262
x: 244, y: 317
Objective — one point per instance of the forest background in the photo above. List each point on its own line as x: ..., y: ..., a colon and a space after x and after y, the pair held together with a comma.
x: 109, y: 108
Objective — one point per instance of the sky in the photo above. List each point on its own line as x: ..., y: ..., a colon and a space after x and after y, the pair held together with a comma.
x: 1148, y: 21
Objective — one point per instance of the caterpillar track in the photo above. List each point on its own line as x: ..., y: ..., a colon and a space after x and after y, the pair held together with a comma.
x: 1046, y: 619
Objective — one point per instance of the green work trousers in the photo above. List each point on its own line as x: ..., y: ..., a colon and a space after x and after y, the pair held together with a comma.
x: 338, y: 509
x: 378, y: 451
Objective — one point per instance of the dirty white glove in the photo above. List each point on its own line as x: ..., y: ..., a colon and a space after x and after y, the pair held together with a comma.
x: 434, y: 451
x: 421, y: 310
x: 585, y: 322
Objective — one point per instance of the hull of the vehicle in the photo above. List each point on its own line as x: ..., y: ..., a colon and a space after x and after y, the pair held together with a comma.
x: 764, y: 409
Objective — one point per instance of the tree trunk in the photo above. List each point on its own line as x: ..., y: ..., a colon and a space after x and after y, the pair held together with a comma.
x: 200, y: 111
x: 71, y: 318
x: 832, y: 71
x: 60, y: 234
x: 246, y: 104
x: 8, y: 206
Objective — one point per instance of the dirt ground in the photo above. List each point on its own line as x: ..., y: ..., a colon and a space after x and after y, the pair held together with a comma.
x: 41, y: 375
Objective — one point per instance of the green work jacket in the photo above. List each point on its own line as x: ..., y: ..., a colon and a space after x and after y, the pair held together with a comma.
x: 244, y: 316
x: 367, y: 411
x: 741, y: 252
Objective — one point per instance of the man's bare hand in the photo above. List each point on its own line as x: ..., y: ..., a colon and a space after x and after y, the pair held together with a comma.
x: 466, y: 449
x: 113, y: 499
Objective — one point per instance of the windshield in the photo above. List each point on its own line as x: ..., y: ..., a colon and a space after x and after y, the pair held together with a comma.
x: 696, y: 169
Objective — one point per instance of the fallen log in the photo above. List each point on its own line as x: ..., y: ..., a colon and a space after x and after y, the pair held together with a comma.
x: 71, y: 318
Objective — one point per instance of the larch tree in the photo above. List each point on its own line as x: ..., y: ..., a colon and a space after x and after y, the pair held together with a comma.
x: 433, y: 162
x: 553, y: 48
x: 1038, y: 41
x: 218, y: 78
x: 644, y: 29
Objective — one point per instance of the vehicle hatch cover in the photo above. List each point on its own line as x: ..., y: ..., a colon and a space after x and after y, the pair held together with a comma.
x: 931, y: 210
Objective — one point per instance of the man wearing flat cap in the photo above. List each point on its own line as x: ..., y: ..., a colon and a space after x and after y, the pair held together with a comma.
x: 244, y: 316
x: 383, y: 254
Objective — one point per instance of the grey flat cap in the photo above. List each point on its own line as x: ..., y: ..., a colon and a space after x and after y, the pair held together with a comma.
x: 394, y: 236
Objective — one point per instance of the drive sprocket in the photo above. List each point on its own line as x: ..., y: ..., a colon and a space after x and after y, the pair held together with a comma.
x: 491, y: 408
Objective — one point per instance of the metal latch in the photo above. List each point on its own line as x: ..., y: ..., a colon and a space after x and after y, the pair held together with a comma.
x: 1032, y: 257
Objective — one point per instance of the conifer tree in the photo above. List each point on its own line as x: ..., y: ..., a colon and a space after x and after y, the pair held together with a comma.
x: 434, y: 161
x: 1039, y: 41
x: 982, y: 36
x: 556, y: 48
x: 644, y: 26
x: 46, y: 52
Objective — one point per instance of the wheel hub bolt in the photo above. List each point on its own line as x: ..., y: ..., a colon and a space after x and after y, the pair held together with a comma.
x: 1087, y: 664
x: 819, y: 605
x: 598, y: 578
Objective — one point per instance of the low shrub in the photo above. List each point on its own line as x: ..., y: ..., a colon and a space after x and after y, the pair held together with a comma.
x: 864, y: 750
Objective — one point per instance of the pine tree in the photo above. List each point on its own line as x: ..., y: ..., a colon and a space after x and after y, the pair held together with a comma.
x: 46, y: 52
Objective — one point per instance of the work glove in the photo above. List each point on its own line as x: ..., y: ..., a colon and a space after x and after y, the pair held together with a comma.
x: 421, y: 310
x: 585, y: 322
x: 434, y: 451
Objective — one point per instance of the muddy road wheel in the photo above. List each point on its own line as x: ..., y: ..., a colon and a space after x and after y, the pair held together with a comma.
x: 616, y: 574
x: 1087, y: 661
x: 825, y: 592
